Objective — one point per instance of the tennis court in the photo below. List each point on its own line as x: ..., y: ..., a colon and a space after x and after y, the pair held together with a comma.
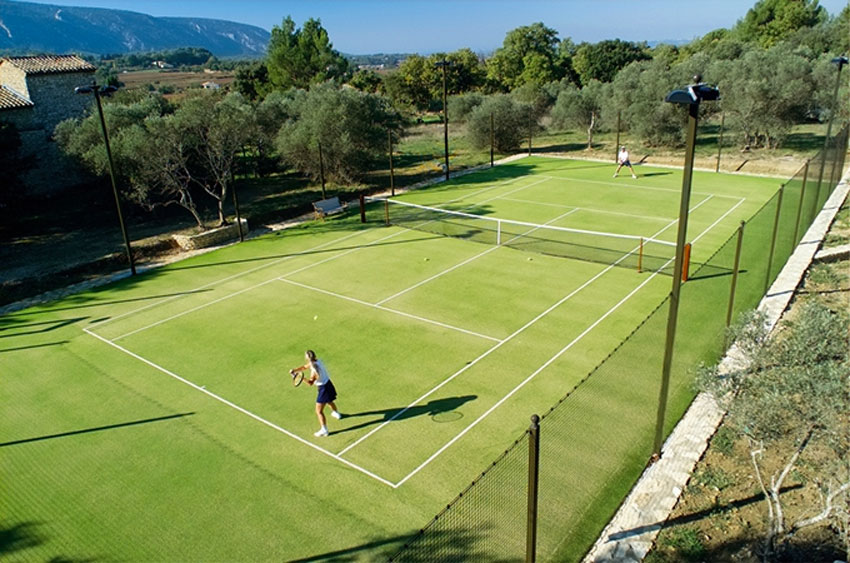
x: 166, y: 402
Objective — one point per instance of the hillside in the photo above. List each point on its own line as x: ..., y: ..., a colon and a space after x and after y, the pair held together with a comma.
x: 29, y: 28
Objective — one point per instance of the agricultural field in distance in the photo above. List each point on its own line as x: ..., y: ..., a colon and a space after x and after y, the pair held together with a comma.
x: 179, y: 80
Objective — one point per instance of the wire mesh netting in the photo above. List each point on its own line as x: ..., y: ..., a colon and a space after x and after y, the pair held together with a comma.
x: 486, y: 522
x: 612, y: 411
x: 628, y: 251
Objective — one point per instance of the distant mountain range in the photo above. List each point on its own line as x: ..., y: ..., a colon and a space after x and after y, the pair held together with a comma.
x: 27, y: 28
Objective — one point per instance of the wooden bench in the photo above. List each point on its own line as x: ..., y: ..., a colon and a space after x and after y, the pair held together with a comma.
x: 328, y: 207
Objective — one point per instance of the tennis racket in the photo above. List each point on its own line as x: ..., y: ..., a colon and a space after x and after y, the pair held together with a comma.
x: 297, y: 377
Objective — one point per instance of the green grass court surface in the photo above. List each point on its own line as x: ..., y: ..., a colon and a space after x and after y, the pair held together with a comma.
x: 154, y: 419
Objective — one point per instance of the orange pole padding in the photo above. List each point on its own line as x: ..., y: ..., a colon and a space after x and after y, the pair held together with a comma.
x: 686, y: 262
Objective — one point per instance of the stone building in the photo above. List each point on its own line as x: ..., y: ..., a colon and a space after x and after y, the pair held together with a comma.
x: 36, y: 93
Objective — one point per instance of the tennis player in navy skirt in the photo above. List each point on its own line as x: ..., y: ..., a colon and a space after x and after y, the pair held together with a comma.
x: 326, y: 390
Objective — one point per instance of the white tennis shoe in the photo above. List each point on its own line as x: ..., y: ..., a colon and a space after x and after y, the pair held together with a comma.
x: 322, y: 432
x: 336, y: 415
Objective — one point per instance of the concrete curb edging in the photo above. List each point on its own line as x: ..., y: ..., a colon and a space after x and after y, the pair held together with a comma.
x: 631, y: 533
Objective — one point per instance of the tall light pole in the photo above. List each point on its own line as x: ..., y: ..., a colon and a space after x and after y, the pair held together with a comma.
x: 443, y: 64
x: 840, y: 61
x: 99, y: 91
x: 691, y: 97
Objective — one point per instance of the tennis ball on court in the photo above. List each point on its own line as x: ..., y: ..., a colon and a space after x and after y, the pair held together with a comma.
x: 529, y: 258
x: 426, y: 259
x: 315, y: 317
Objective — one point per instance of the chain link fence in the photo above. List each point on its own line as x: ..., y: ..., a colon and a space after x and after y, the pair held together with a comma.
x: 612, y: 411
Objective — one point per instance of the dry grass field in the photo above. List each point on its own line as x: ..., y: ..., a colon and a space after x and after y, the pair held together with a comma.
x: 177, y: 79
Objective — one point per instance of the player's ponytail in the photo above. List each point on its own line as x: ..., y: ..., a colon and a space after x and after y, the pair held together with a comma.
x: 311, y: 355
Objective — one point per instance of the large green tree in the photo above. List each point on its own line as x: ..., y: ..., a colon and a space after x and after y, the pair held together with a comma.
x: 512, y: 123
x: 770, y: 21
x: 601, y: 61
x: 418, y: 82
x: 350, y: 125
x: 216, y: 129
x: 765, y: 92
x: 581, y: 108
x: 530, y: 53
x: 303, y: 56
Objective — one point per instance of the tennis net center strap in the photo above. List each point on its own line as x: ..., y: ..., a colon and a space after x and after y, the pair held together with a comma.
x: 631, y: 251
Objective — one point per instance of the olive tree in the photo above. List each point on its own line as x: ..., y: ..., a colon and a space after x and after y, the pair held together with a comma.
x: 512, y: 122
x: 351, y: 127
x: 789, y: 403
x: 580, y: 108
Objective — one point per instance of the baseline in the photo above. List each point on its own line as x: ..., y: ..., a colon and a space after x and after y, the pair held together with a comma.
x: 242, y: 410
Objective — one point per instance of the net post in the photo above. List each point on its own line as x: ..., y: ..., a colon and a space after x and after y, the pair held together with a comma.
x: 533, y: 481
x: 498, y: 233
x: 773, y: 238
x: 735, y: 268
x: 800, y: 205
x: 362, y: 208
x: 686, y: 262
x: 640, y: 256
x: 387, y: 211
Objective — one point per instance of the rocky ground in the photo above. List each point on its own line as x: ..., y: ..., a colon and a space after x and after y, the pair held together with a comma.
x: 721, y: 514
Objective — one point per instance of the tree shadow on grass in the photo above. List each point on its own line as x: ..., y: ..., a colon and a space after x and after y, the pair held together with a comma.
x: 10, y: 323
x: 15, y: 539
x: 431, y: 408
x: 699, y: 515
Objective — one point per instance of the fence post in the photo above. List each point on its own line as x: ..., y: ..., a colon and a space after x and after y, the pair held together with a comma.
x: 735, y: 269
x: 387, y: 211
x: 492, y: 139
x: 362, y: 208
x: 617, y: 147
x: 720, y: 142
x: 392, y: 172
x: 773, y: 238
x: 322, y: 171
x: 533, y: 473
x: 800, y: 206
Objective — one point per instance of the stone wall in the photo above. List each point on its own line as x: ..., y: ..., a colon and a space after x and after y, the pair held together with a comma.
x: 55, y: 101
x: 211, y: 237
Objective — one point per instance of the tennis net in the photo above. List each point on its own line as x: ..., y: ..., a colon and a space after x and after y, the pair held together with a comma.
x: 629, y: 251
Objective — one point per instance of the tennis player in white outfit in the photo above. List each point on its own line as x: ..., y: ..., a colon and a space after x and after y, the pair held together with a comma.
x: 623, y: 160
x: 327, y: 392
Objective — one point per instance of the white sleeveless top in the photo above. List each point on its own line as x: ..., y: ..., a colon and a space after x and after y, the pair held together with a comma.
x: 319, y: 369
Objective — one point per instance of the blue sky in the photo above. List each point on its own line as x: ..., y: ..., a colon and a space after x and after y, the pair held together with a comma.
x: 425, y: 26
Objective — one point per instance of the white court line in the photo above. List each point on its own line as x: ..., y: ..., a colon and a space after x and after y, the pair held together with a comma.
x: 228, y: 278
x: 388, y: 310
x: 642, y: 186
x: 734, y: 207
x: 493, y: 187
x: 423, y: 282
x: 601, y: 211
x: 435, y: 276
x: 473, y: 204
x: 242, y: 410
x: 553, y: 358
x: 509, y: 338
x: 220, y: 299
x: 526, y: 380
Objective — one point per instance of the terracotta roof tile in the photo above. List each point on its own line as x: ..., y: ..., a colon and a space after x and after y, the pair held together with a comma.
x: 11, y: 100
x: 50, y: 64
